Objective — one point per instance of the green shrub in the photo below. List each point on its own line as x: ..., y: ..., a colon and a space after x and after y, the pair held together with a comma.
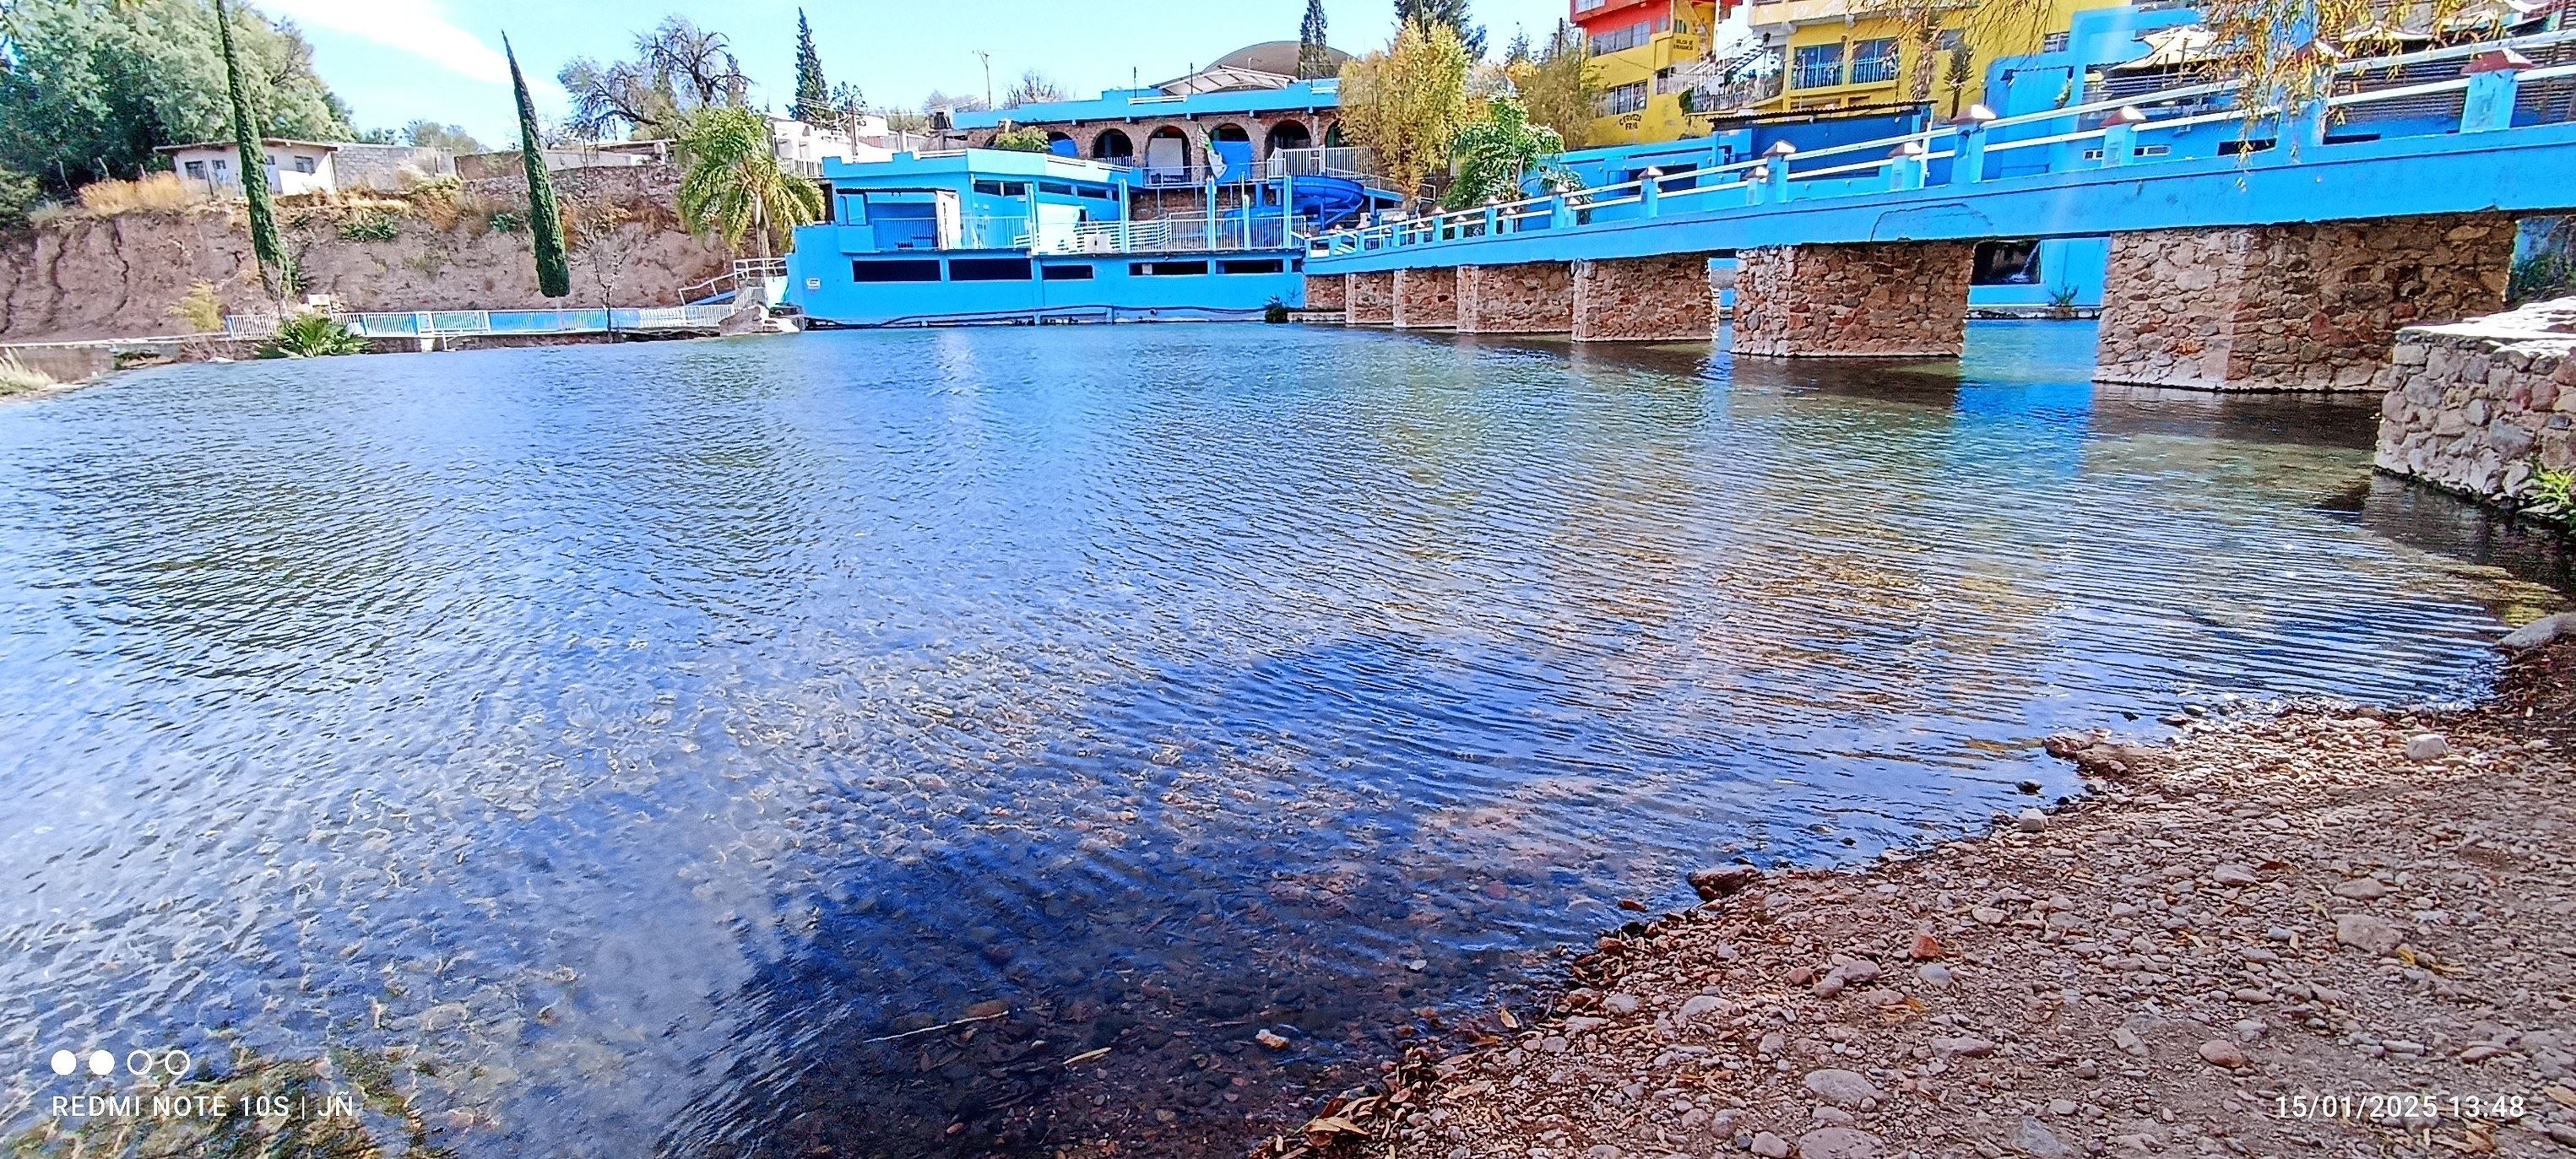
x: 18, y: 378
x: 371, y: 225
x: 18, y: 198
x: 312, y: 335
x: 2552, y: 496
x: 1275, y: 313
x: 202, y: 308
x: 1021, y: 140
x: 508, y: 222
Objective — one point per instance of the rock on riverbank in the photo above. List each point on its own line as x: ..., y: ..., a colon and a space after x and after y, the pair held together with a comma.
x: 2311, y: 934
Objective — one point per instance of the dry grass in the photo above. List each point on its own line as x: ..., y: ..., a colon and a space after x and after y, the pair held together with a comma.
x: 18, y: 378
x: 160, y: 192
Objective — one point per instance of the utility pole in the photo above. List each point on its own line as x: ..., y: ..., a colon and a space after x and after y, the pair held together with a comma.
x: 987, y: 58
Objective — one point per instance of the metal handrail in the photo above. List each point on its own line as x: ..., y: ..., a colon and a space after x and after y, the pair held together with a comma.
x: 1361, y: 238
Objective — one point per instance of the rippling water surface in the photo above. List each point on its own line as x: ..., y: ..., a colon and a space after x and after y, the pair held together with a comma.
x: 636, y: 734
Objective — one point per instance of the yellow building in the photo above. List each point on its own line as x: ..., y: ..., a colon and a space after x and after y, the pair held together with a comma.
x: 1640, y: 51
x: 1835, y: 54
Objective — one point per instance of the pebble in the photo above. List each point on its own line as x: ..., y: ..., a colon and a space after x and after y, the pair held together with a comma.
x: 2541, y: 631
x: 1844, y: 1088
x: 2035, y: 1139
x: 2235, y: 876
x: 2031, y: 821
x: 2369, y: 933
x: 2427, y: 746
x: 1270, y: 1040
x: 2364, y: 889
x: 1770, y: 1146
x: 1701, y: 1006
x: 2221, y: 1052
x: 1837, y: 1143
x: 1935, y: 975
x: 1621, y: 1004
x: 1967, y: 1047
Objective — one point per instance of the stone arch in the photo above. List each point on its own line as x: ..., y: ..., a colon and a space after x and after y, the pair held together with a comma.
x: 1114, y: 146
x: 1169, y: 148
x: 1287, y: 134
x: 1333, y: 138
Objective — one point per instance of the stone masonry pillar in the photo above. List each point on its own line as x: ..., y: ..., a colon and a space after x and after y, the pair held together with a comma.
x: 1657, y: 299
x: 1369, y: 299
x: 1426, y: 298
x: 2312, y: 307
x: 1529, y: 298
x: 1327, y: 292
x: 1873, y: 300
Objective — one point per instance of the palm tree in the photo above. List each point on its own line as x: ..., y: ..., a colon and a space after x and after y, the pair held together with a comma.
x: 734, y: 185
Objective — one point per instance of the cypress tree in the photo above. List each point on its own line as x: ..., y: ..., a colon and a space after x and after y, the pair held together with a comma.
x: 813, y: 97
x: 264, y: 245
x: 1313, y: 58
x: 545, y: 222
x: 1450, y: 12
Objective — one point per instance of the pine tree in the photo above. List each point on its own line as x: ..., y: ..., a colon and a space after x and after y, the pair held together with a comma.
x: 264, y: 244
x: 1314, y: 59
x: 1450, y: 12
x: 813, y: 97
x: 545, y: 221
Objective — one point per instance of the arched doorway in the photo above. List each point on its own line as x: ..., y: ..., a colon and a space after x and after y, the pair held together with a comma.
x: 1288, y: 135
x: 1333, y: 138
x: 1113, y: 147
x: 1062, y: 145
x: 1167, y: 155
x: 1230, y: 148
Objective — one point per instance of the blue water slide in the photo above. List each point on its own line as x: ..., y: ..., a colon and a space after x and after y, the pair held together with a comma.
x: 1330, y: 201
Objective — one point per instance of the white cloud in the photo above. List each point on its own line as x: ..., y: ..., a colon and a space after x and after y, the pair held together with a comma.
x: 418, y: 27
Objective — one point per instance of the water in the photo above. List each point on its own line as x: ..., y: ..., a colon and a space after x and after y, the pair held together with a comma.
x: 634, y: 734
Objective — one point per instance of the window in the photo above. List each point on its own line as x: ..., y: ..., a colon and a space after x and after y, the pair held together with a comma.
x: 197, y: 170
x: 221, y: 168
x: 1874, y: 61
x: 988, y: 269
x: 1070, y: 273
x: 2230, y: 148
x: 1818, y: 66
x: 1003, y: 188
x: 304, y: 164
x: 1623, y: 39
x: 1167, y: 269
x: 1103, y: 194
x: 1253, y: 266
x: 2053, y: 42
x: 1058, y: 188
x: 1627, y: 98
x: 899, y: 270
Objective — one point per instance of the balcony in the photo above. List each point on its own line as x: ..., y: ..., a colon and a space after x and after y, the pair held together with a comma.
x: 1817, y: 76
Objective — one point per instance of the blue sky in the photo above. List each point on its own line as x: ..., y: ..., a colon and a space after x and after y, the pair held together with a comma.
x: 397, y: 60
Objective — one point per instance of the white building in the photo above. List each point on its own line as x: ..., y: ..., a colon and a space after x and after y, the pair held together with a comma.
x: 310, y: 166
x: 802, y: 148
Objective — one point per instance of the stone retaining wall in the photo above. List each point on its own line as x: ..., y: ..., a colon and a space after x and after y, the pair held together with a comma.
x: 1326, y: 292
x: 1880, y: 300
x: 1530, y: 298
x: 1370, y: 299
x: 2479, y: 407
x: 2291, y: 307
x: 1657, y: 299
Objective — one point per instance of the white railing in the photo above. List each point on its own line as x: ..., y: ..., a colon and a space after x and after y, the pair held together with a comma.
x: 743, y: 272
x: 1326, y: 162
x: 1769, y: 178
x: 500, y: 323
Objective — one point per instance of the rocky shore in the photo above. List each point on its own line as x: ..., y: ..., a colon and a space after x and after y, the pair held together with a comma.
x: 2330, y: 933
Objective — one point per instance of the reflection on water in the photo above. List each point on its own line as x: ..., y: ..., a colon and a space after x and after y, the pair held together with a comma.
x: 657, y: 736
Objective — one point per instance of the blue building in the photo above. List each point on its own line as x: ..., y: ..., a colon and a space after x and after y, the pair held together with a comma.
x: 990, y: 236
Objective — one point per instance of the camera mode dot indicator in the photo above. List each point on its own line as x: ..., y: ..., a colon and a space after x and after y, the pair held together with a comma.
x: 65, y: 1062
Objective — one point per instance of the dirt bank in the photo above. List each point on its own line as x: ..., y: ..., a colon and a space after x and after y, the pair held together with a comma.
x: 2342, y: 933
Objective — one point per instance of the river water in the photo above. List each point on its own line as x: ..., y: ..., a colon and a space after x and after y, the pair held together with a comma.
x: 630, y: 738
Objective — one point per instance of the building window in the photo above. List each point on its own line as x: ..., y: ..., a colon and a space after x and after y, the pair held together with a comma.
x: 1003, y: 188
x: 988, y: 269
x: 1057, y: 188
x: 900, y: 270
x: 1167, y: 269
x: 304, y: 164
x: 221, y: 169
x: 197, y: 170
x: 1874, y: 61
x: 1818, y: 66
x: 1623, y: 39
x: 2053, y: 42
x: 1624, y: 99
x: 1253, y: 266
x: 1070, y: 273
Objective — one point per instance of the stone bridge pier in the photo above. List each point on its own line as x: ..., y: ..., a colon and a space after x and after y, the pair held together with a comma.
x: 1327, y: 291
x: 1527, y: 298
x: 1663, y: 298
x: 2308, y: 307
x: 1369, y: 299
x: 1870, y: 300
x: 1426, y: 298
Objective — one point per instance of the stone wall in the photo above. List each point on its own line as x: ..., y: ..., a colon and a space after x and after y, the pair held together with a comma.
x: 2291, y: 307
x: 1369, y: 299
x: 1880, y: 300
x: 1426, y: 298
x: 1530, y: 298
x: 1657, y: 299
x: 1327, y: 292
x: 2478, y: 407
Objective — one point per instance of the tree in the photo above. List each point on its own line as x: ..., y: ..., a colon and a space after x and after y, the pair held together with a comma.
x: 733, y: 185
x: 1559, y: 87
x: 2284, y: 52
x: 1408, y: 102
x: 1020, y: 140
x: 1452, y: 13
x: 545, y: 220
x: 89, y: 89
x: 1494, y: 154
x: 849, y: 106
x: 254, y: 163
x: 1033, y: 88
x: 1519, y: 50
x: 813, y: 97
x: 432, y: 135
x: 1929, y: 33
x: 678, y: 70
x: 1314, y: 56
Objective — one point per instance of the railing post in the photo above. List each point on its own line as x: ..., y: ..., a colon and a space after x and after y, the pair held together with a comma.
x: 1778, y: 155
x: 2120, y: 135
x: 1757, y: 184
x: 2495, y: 82
x: 1968, y: 156
x: 1906, y: 166
x: 1650, y: 192
x: 2305, y: 127
x: 1493, y: 216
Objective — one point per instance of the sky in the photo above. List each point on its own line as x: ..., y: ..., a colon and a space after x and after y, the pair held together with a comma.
x: 395, y: 61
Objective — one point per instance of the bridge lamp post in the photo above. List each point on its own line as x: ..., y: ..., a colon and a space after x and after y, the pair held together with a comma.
x: 2495, y: 80
x: 1968, y: 156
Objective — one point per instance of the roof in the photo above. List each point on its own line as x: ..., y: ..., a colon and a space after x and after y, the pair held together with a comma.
x: 1273, y: 56
x: 326, y: 146
x: 1270, y: 64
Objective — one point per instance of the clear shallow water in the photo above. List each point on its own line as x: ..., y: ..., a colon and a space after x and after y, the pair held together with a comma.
x: 637, y: 732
